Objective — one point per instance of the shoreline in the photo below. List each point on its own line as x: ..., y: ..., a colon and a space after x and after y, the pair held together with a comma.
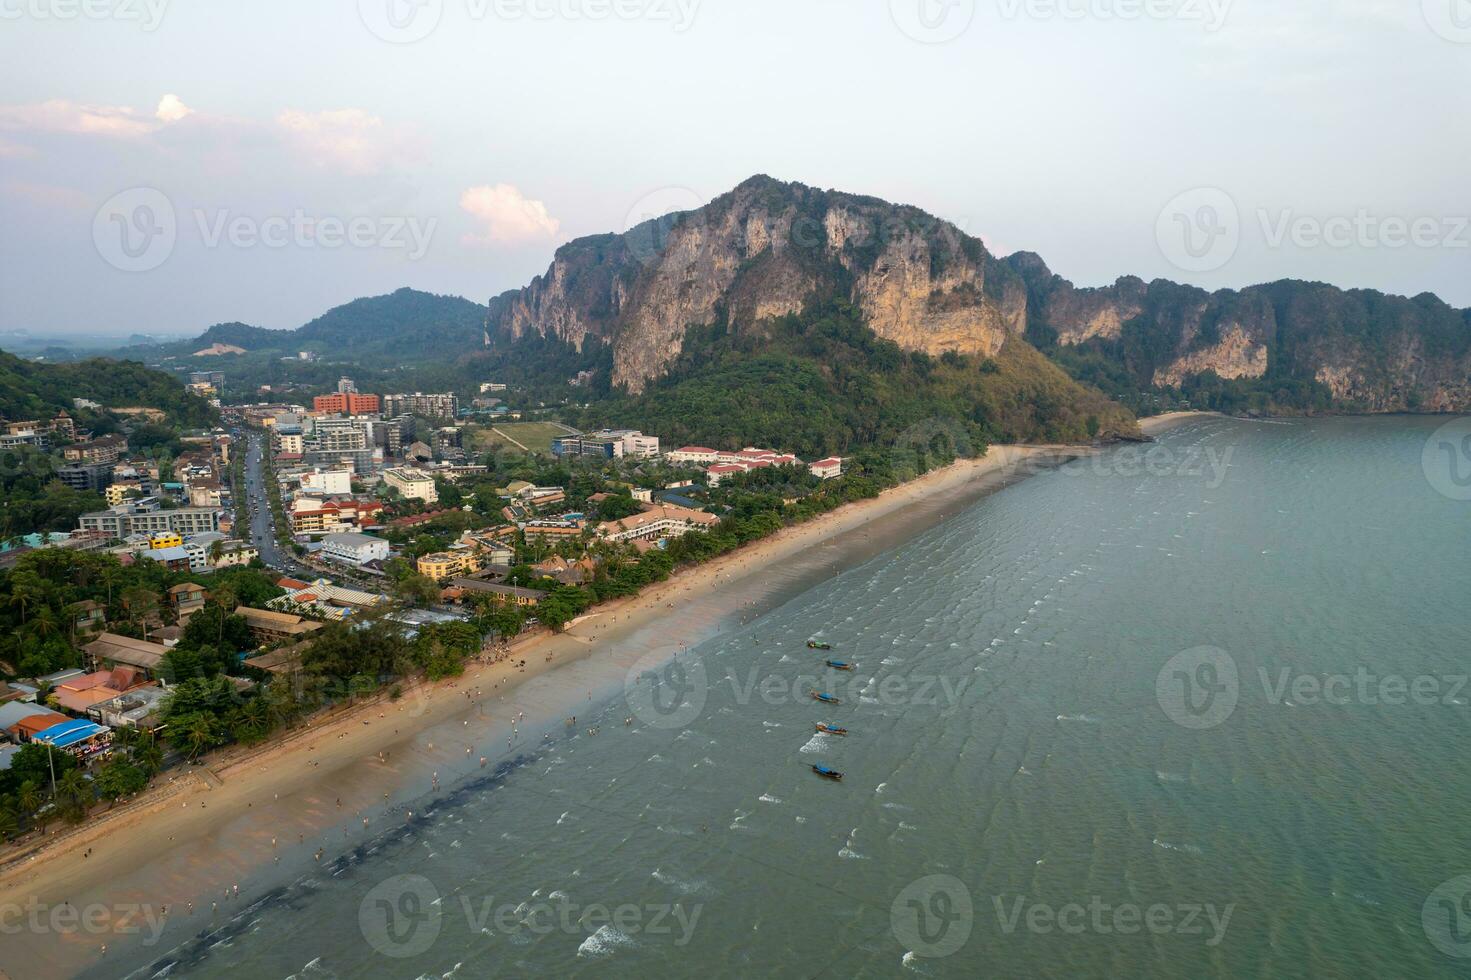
x: 204, y: 833
x: 1154, y: 425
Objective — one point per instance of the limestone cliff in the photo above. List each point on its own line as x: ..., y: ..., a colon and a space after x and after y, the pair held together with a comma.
x: 1372, y: 352
x: 764, y: 250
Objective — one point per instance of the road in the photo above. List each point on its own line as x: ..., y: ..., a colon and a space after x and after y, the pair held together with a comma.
x: 259, y: 505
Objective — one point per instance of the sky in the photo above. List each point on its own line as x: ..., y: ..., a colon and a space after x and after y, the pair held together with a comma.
x: 166, y: 165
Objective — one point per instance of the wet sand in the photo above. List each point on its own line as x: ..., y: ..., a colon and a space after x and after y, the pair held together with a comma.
x: 269, y: 817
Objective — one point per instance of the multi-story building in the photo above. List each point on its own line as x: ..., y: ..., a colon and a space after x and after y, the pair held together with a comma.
x: 316, y: 515
x: 552, y: 530
x: 397, y: 433
x: 414, y: 484
x: 346, y: 386
x: 146, y: 517
x: 335, y: 442
x: 435, y: 406
x: 117, y: 492
x: 327, y: 481
x: 826, y: 469
x: 446, y: 564
x: 354, y: 549
x: 104, y: 450
x: 165, y: 539
x: 215, y: 379
x: 89, y: 477
x: 665, y: 521
x: 347, y: 403
x: 587, y: 446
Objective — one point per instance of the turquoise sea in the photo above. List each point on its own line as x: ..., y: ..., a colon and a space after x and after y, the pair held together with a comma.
x: 1197, y: 709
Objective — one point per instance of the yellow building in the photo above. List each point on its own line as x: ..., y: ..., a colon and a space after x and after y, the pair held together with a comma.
x: 165, y: 539
x: 446, y: 564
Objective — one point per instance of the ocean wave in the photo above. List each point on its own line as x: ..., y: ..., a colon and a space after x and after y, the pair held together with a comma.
x: 604, y: 942
x: 1186, y: 848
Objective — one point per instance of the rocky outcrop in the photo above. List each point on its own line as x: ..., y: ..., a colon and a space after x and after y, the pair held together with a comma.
x: 1235, y: 356
x: 768, y: 248
x: 762, y: 251
x: 1372, y: 352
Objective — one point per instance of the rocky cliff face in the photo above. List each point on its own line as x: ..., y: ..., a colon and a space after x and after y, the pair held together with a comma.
x: 1374, y: 352
x: 768, y: 248
x: 762, y: 251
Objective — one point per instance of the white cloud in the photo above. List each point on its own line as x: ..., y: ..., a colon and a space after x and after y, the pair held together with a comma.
x: 61, y: 116
x: 347, y: 139
x: 507, y: 216
x: 171, y: 109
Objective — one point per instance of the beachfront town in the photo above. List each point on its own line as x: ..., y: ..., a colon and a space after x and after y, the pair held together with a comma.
x: 236, y: 579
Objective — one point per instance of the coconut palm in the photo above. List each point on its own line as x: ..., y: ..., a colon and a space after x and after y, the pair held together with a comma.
x: 29, y: 799
x: 197, y: 733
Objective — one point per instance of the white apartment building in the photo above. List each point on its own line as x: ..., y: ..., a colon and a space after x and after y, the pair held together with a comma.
x: 354, y: 549
x: 414, y: 484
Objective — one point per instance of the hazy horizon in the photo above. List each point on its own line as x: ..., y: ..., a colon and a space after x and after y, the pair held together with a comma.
x: 451, y: 145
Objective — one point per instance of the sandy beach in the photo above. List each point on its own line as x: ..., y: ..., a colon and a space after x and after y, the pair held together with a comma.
x: 201, y: 845
x: 1154, y: 425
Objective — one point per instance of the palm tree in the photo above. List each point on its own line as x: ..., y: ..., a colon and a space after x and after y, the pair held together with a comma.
x: 149, y: 758
x: 73, y: 794
x: 9, y: 819
x: 224, y: 597
x: 29, y: 798
x: 44, y: 624
x: 197, y: 734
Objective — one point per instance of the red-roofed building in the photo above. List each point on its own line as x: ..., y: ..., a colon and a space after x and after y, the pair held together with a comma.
x: 826, y: 469
x: 693, y: 454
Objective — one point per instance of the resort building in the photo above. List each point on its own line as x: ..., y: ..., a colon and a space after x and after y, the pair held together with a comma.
x: 512, y: 594
x: 826, y: 469
x: 323, y: 599
x: 414, y: 484
x: 111, y: 650
x: 666, y: 521
x: 270, y: 626
x: 552, y: 530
